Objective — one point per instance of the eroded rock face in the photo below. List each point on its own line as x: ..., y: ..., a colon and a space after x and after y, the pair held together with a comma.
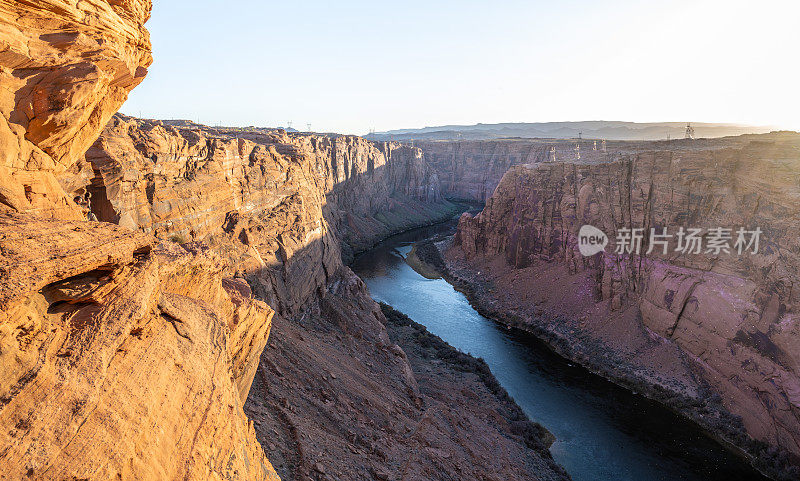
x: 734, y: 316
x: 344, y: 393
x: 117, y: 360
x: 66, y: 68
x: 282, y: 209
x: 472, y: 169
x: 122, y: 362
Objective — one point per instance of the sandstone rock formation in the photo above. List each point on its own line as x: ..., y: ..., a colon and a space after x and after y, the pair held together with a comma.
x: 122, y: 362
x: 472, y: 169
x: 717, y: 330
x: 118, y: 361
x: 280, y: 208
x: 66, y: 67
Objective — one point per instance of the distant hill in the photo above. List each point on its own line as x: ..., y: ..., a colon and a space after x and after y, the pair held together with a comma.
x: 596, y: 129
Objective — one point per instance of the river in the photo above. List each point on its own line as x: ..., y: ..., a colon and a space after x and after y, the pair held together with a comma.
x: 603, y: 431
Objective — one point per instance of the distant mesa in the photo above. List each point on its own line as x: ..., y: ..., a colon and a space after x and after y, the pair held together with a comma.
x: 597, y: 129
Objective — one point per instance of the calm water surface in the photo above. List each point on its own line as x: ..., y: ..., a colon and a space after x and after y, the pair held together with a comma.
x: 603, y: 432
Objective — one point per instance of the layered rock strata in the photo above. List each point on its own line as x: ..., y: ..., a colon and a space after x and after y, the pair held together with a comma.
x: 709, y: 333
x: 117, y: 360
x: 282, y: 209
x: 472, y: 169
x: 66, y: 67
x: 122, y: 362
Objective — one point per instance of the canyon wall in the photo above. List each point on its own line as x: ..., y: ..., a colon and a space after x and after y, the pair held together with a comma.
x: 720, y: 329
x: 120, y: 358
x: 336, y: 397
x: 472, y: 169
x: 66, y: 67
x: 282, y: 209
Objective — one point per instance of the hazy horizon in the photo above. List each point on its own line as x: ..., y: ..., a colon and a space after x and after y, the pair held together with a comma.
x: 354, y: 66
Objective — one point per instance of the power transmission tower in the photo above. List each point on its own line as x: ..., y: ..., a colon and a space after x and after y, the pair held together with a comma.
x: 553, y: 153
x: 689, y: 132
x: 308, y: 127
x: 604, y: 145
x: 577, y: 151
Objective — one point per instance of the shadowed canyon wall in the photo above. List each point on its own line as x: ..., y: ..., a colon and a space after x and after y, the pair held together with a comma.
x: 282, y: 209
x: 472, y: 169
x: 721, y: 329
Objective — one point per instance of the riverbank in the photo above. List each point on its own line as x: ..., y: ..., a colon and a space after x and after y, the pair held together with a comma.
x: 689, y: 398
x: 444, y: 372
x: 364, y: 234
x: 346, y: 392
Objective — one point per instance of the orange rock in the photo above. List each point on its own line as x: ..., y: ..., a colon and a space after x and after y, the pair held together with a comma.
x: 123, y: 363
x: 66, y: 68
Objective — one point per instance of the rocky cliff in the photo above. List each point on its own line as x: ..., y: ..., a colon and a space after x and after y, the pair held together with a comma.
x: 282, y: 209
x: 472, y: 169
x: 121, y: 357
x: 122, y: 362
x: 709, y: 333
x: 140, y: 273
x: 66, y: 67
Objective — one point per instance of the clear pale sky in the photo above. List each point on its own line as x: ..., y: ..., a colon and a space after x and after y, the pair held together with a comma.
x: 350, y: 66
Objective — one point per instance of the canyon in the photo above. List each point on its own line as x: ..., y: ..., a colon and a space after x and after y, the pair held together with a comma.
x: 145, y: 265
x: 712, y: 335
x: 176, y: 301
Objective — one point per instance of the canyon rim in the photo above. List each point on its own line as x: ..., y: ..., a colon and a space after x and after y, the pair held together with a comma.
x: 177, y: 299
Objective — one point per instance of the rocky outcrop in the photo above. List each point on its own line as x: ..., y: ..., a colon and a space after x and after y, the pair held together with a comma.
x: 66, y: 67
x: 282, y: 209
x: 117, y: 360
x: 717, y: 329
x: 122, y: 362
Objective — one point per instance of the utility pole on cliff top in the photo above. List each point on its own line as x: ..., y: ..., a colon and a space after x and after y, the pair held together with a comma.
x: 689, y: 132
